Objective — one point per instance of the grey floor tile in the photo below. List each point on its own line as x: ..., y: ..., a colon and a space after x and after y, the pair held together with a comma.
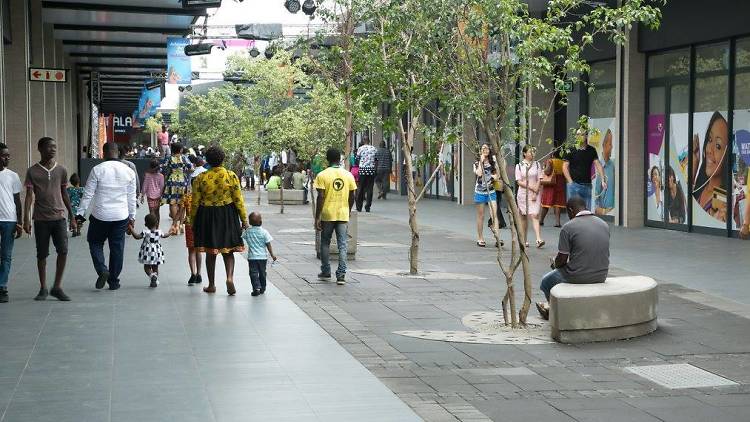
x: 609, y: 415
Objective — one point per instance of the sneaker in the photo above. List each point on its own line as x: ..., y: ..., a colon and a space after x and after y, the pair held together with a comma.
x: 3, y: 295
x: 324, y: 276
x: 114, y: 286
x: 198, y: 279
x: 255, y: 293
x: 341, y: 280
x: 59, y: 294
x: 154, y: 280
x: 101, y: 280
x: 42, y: 295
x: 262, y: 290
x: 191, y: 280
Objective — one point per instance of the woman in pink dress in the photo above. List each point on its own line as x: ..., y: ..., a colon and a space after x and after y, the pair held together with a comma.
x: 153, y: 186
x: 529, y: 196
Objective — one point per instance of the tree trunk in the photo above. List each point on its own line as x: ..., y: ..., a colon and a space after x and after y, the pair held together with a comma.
x: 281, y: 197
x: 516, y: 237
x: 407, y: 135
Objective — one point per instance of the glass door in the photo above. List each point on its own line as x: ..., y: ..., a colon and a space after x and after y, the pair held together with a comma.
x: 668, y: 154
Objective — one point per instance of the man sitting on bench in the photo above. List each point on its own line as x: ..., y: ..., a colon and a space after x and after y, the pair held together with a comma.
x: 583, y: 252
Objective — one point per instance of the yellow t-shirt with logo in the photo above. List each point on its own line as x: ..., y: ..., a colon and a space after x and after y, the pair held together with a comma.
x: 337, y: 183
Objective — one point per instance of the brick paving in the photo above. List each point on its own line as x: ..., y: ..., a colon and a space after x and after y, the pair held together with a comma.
x: 444, y: 381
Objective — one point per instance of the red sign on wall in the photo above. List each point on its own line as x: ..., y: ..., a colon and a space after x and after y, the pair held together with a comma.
x: 41, y: 74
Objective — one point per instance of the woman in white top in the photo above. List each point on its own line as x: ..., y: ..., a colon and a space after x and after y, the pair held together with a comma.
x: 529, y: 196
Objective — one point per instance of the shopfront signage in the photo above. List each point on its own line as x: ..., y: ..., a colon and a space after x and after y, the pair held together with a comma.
x: 42, y: 74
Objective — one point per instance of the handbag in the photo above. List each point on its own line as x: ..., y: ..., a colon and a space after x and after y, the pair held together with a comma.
x: 548, y: 180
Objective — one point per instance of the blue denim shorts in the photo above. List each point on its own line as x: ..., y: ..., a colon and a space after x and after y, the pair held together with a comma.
x: 484, y: 198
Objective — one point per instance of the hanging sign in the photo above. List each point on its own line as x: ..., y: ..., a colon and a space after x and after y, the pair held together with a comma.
x: 41, y: 74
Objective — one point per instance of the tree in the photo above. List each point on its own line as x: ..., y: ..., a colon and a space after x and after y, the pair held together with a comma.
x: 527, y: 52
x: 403, y: 61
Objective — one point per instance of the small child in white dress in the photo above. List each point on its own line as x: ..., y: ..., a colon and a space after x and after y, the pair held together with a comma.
x: 151, y: 254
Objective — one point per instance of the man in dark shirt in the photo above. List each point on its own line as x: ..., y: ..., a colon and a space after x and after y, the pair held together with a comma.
x: 577, y: 170
x: 383, y: 164
x: 583, y: 252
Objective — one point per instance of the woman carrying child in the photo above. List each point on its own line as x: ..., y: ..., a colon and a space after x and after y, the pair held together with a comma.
x: 151, y: 254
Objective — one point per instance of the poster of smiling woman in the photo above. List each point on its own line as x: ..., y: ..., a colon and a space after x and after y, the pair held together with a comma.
x: 711, y: 141
x: 741, y: 173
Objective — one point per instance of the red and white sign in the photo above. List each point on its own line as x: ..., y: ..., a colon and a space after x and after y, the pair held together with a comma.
x: 41, y: 74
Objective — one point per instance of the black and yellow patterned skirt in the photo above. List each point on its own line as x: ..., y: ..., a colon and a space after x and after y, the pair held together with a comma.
x: 217, y: 230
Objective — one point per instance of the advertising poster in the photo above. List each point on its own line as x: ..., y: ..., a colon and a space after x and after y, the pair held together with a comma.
x: 675, y: 175
x: 148, y: 103
x: 741, y: 173
x: 654, y: 179
x: 710, y: 191
x: 179, y: 69
x: 603, y: 139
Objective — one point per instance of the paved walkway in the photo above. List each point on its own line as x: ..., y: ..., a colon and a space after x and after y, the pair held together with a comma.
x: 172, y: 353
x: 712, y: 264
x: 445, y: 381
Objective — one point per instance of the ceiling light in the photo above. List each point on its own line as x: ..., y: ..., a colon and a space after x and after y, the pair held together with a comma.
x: 198, y: 49
x: 308, y: 7
x: 292, y: 6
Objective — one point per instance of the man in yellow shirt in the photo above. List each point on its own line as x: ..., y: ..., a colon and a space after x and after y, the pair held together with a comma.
x: 336, y: 187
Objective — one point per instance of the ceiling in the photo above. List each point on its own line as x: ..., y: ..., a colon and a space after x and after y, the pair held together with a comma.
x: 124, y: 40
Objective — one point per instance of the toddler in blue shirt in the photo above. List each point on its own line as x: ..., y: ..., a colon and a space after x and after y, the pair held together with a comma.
x: 258, y: 242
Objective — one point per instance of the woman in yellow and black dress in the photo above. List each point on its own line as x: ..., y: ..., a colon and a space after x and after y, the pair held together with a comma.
x: 218, y: 217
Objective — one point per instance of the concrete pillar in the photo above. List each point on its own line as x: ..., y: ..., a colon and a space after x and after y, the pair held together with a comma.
x: 50, y: 88
x: 37, y: 91
x: 633, y: 80
x: 15, y: 76
x: 468, y: 157
x: 542, y: 128
x: 61, y: 112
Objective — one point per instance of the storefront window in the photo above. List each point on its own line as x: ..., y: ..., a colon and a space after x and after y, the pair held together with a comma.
x: 741, y: 170
x: 671, y: 64
x: 603, y: 134
x: 710, y: 137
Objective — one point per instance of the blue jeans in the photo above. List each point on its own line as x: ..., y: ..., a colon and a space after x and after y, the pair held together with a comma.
x: 550, y: 280
x: 114, y: 233
x: 258, y: 273
x: 7, y: 237
x: 340, y: 227
x: 581, y: 190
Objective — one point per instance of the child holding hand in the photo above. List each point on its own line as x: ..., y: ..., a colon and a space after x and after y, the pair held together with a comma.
x: 258, y: 241
x: 151, y: 254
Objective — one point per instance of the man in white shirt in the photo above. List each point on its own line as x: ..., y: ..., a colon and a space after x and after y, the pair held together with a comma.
x: 10, y: 217
x: 111, y: 185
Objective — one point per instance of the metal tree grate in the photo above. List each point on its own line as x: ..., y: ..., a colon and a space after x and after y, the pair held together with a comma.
x: 681, y: 375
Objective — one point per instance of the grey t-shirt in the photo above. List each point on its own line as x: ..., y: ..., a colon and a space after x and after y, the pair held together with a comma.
x: 585, y: 239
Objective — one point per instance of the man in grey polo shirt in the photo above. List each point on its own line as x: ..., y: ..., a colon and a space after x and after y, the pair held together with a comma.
x: 583, y: 252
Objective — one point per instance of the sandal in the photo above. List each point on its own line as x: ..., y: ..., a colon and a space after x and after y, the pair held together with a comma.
x: 209, y: 289
x: 230, y: 288
x: 481, y: 244
x: 540, y: 244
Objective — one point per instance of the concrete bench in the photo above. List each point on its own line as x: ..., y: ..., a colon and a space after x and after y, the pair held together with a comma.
x: 619, y: 308
x: 291, y: 196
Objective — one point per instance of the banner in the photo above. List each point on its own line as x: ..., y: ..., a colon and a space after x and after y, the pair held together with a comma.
x: 179, y: 68
x: 148, y: 103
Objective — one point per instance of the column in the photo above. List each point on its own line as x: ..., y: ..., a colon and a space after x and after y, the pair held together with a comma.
x: 37, y: 92
x: 633, y: 81
x: 15, y: 77
x: 542, y: 129
x: 50, y: 88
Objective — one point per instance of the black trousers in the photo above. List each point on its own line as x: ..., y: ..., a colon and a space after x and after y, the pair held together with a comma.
x: 383, y: 180
x: 366, y: 183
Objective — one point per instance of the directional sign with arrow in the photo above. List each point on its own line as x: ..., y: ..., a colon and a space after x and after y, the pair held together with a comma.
x: 42, y: 74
